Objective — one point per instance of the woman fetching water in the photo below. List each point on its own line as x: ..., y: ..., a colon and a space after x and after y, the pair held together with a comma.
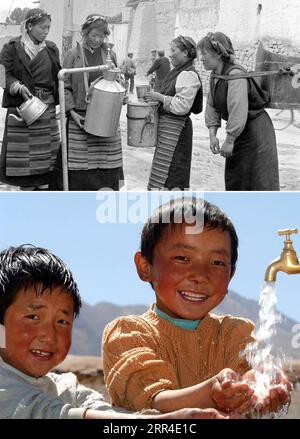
x: 180, y: 95
x: 31, y: 65
x: 250, y: 146
x: 94, y: 162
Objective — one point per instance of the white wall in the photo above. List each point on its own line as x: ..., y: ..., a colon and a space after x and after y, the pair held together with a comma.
x: 154, y: 22
x: 279, y: 19
x: 198, y: 20
x: 82, y: 8
x: 56, y: 9
x: 119, y: 35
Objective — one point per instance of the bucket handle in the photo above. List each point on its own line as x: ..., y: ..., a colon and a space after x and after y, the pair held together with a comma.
x: 143, y: 129
x: 88, y: 97
x: 148, y: 121
x: 89, y: 93
x: 90, y: 90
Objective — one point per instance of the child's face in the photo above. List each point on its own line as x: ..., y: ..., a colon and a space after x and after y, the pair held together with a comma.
x: 191, y: 273
x: 38, y: 330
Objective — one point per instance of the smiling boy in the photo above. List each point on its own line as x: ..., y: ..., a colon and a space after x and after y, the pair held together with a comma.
x: 178, y: 354
x: 40, y: 329
x: 39, y: 300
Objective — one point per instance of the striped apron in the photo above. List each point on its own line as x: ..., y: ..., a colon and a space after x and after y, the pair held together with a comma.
x: 169, y: 130
x: 32, y: 150
x: 86, y: 151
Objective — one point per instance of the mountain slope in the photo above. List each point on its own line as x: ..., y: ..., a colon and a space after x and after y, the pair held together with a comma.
x: 89, y: 326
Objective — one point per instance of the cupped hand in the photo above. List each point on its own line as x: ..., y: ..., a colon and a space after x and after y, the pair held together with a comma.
x: 279, y: 394
x: 231, y: 395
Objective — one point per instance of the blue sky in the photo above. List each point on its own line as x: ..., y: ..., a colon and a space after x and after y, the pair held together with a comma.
x: 101, y: 254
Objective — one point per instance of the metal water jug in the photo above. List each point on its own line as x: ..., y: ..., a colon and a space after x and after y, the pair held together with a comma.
x: 104, y: 105
x: 31, y: 110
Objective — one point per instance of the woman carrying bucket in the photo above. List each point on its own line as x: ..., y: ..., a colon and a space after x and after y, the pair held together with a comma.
x: 94, y: 162
x: 30, y: 146
x: 180, y: 95
x: 250, y: 146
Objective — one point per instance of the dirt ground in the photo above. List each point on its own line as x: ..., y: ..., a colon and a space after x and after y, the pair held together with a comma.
x: 207, y: 169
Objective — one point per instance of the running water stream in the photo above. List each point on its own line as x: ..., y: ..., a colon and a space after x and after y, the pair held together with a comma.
x: 264, y: 363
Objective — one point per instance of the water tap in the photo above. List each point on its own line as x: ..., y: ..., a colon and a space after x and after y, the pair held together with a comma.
x: 288, y: 261
x: 109, y: 61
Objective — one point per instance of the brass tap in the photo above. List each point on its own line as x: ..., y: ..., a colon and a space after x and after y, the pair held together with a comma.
x: 109, y: 45
x: 288, y: 261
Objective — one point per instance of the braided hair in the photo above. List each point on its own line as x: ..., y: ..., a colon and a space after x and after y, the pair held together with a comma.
x: 219, y: 43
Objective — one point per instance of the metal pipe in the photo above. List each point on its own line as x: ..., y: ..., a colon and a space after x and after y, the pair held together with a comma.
x: 62, y: 103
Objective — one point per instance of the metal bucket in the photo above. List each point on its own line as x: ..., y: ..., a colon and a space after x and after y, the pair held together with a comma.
x: 104, y: 106
x: 141, y: 90
x: 142, y: 123
x: 284, y: 89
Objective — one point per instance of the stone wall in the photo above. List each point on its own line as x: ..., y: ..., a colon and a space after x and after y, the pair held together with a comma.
x: 174, y: 17
x: 196, y: 18
x: 239, y: 20
x: 275, y: 23
x: 152, y: 25
x: 281, y: 19
x: 246, y: 22
x: 189, y: 17
x: 246, y: 56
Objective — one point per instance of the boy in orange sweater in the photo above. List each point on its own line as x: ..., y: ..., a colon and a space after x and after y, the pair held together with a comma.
x: 178, y: 354
x: 39, y: 300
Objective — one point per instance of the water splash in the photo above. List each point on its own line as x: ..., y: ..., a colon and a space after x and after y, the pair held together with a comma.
x: 264, y: 362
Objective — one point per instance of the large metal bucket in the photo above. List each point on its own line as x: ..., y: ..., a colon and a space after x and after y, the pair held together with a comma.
x: 284, y: 89
x: 142, y: 123
x: 104, y: 106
